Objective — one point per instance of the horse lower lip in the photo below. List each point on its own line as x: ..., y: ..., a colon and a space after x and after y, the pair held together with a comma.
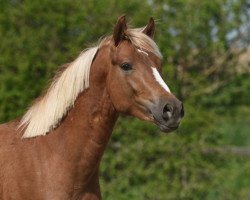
x: 164, y: 127
x: 167, y: 129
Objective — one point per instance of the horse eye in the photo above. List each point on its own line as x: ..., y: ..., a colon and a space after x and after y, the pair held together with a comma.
x: 126, y: 66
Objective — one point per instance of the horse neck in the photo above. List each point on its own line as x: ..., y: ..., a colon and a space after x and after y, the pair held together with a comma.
x: 89, y: 124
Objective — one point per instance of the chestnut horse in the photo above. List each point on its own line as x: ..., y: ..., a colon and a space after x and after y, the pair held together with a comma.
x: 53, y: 152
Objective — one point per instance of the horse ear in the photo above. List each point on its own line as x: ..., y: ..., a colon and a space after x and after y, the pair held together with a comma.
x: 149, y: 30
x: 119, y: 30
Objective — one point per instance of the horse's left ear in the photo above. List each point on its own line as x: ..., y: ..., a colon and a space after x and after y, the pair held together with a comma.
x: 149, y: 30
x: 119, y: 30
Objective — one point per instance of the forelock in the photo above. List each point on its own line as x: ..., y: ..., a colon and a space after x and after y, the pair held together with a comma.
x: 143, y: 42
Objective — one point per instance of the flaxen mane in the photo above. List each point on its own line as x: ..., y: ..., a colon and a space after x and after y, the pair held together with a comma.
x: 46, y: 114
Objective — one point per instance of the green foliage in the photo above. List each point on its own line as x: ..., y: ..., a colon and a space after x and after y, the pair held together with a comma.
x: 151, y: 165
x: 231, y: 94
x: 201, y: 67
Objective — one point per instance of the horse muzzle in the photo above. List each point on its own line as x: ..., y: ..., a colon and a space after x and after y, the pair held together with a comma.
x: 167, y: 113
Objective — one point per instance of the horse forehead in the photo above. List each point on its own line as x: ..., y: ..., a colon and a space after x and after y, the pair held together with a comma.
x: 127, y: 50
x: 150, y: 58
x: 122, y: 51
x: 156, y: 60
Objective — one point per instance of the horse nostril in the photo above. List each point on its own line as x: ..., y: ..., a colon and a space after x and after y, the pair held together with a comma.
x: 167, y: 112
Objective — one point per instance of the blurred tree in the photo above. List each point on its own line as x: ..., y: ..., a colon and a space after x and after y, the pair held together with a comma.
x: 198, y: 38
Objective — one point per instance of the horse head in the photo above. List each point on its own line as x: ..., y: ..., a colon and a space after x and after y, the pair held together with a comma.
x: 134, y: 82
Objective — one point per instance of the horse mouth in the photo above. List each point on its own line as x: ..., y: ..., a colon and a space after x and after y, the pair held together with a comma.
x: 164, y: 128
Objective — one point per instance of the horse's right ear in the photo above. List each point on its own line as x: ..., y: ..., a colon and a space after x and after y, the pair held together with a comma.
x: 119, y: 30
x: 149, y: 30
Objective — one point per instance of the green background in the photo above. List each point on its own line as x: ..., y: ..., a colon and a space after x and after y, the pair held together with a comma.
x: 205, y: 45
